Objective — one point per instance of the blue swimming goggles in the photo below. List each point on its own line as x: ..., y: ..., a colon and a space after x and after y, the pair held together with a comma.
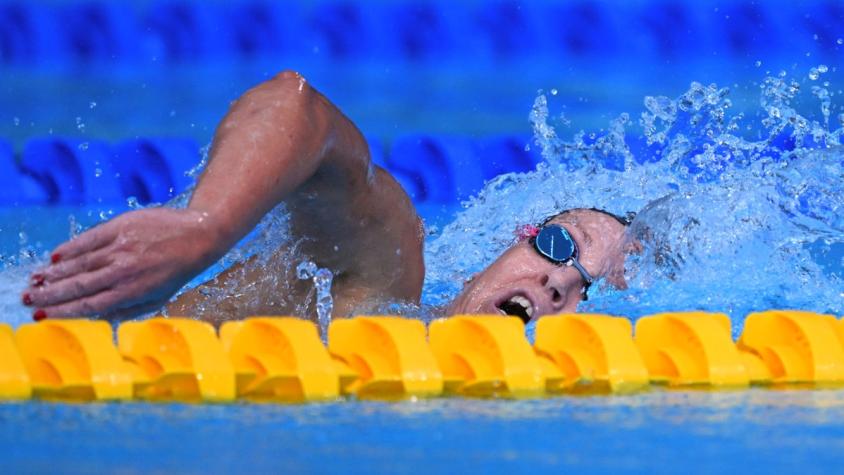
x: 554, y: 243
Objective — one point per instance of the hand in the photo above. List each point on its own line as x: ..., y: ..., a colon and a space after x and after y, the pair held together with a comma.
x: 124, y: 267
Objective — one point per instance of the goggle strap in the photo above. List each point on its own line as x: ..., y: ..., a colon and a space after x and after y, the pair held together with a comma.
x: 588, y: 278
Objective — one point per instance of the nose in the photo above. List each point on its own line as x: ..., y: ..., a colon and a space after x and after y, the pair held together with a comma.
x: 557, y: 284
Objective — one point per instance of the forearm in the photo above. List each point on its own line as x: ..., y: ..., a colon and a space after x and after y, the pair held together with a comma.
x: 272, y: 141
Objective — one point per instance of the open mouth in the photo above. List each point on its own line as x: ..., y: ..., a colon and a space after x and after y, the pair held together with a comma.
x: 517, y: 306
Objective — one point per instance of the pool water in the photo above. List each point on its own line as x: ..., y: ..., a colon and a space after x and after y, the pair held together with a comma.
x: 740, y: 202
x: 757, y: 431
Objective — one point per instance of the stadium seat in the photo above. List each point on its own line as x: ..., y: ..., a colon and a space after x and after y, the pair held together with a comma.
x: 155, y: 170
x: 72, y: 171
x: 17, y: 188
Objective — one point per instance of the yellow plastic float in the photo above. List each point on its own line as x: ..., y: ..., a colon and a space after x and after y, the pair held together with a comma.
x: 595, y: 353
x: 691, y: 348
x: 390, y: 356
x: 14, y: 380
x: 177, y: 359
x: 73, y: 360
x: 486, y: 356
x: 279, y: 359
x: 796, y: 346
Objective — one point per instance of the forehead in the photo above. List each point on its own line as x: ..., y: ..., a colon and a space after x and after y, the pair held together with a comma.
x: 582, y: 217
x: 591, y: 222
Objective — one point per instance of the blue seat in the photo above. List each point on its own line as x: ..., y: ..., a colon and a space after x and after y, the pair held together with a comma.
x: 72, y: 171
x: 260, y: 28
x: 505, y: 154
x: 54, y: 165
x: 17, y: 43
x: 747, y: 29
x: 504, y: 27
x: 419, y: 31
x: 96, y: 32
x: 583, y: 29
x: 340, y: 30
x: 378, y: 155
x: 155, y: 170
x: 442, y: 169
x: 823, y: 19
x: 668, y: 28
x: 16, y: 187
x: 180, y: 31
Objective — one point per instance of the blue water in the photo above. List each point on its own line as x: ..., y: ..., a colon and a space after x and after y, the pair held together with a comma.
x: 757, y: 431
x: 739, y: 193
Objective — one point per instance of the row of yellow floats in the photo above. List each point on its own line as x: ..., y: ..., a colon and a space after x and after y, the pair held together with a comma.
x: 283, y: 359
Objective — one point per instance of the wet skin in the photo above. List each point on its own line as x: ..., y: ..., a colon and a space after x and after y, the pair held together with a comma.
x: 548, y: 288
x: 282, y: 141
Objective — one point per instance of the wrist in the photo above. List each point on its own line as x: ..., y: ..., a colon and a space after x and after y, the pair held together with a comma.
x: 209, y: 236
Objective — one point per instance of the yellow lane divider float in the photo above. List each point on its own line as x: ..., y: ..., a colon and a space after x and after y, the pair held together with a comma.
x: 281, y: 359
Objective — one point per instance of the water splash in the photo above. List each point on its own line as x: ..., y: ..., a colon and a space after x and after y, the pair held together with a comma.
x: 736, y: 213
x: 321, y: 279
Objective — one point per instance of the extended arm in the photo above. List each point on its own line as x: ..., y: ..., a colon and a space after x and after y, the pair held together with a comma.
x: 280, y: 141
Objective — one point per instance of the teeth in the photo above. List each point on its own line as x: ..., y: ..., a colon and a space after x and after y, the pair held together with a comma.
x: 525, y: 303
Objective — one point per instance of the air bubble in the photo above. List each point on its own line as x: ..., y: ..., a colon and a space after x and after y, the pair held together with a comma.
x: 92, y: 105
x: 758, y: 64
x: 553, y: 92
x: 83, y: 146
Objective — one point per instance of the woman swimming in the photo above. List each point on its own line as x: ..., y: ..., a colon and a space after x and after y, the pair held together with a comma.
x: 283, y: 142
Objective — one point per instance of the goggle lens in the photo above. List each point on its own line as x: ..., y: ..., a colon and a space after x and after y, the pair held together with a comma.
x: 555, y: 243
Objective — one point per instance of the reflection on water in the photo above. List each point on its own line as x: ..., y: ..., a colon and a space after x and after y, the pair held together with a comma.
x: 765, y: 429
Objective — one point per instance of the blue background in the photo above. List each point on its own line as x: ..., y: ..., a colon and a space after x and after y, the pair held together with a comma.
x: 93, y: 89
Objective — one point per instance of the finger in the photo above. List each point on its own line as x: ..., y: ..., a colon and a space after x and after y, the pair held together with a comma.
x: 88, y: 262
x: 88, y: 241
x: 85, y: 307
x: 72, y: 288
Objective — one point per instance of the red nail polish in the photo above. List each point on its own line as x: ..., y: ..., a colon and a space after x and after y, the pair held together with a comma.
x: 39, y: 315
x: 56, y: 257
x: 37, y: 280
x: 27, y: 299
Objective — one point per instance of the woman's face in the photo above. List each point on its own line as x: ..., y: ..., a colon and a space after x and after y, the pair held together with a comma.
x: 523, y: 283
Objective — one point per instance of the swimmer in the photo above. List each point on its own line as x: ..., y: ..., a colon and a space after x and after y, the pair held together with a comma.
x: 283, y: 142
